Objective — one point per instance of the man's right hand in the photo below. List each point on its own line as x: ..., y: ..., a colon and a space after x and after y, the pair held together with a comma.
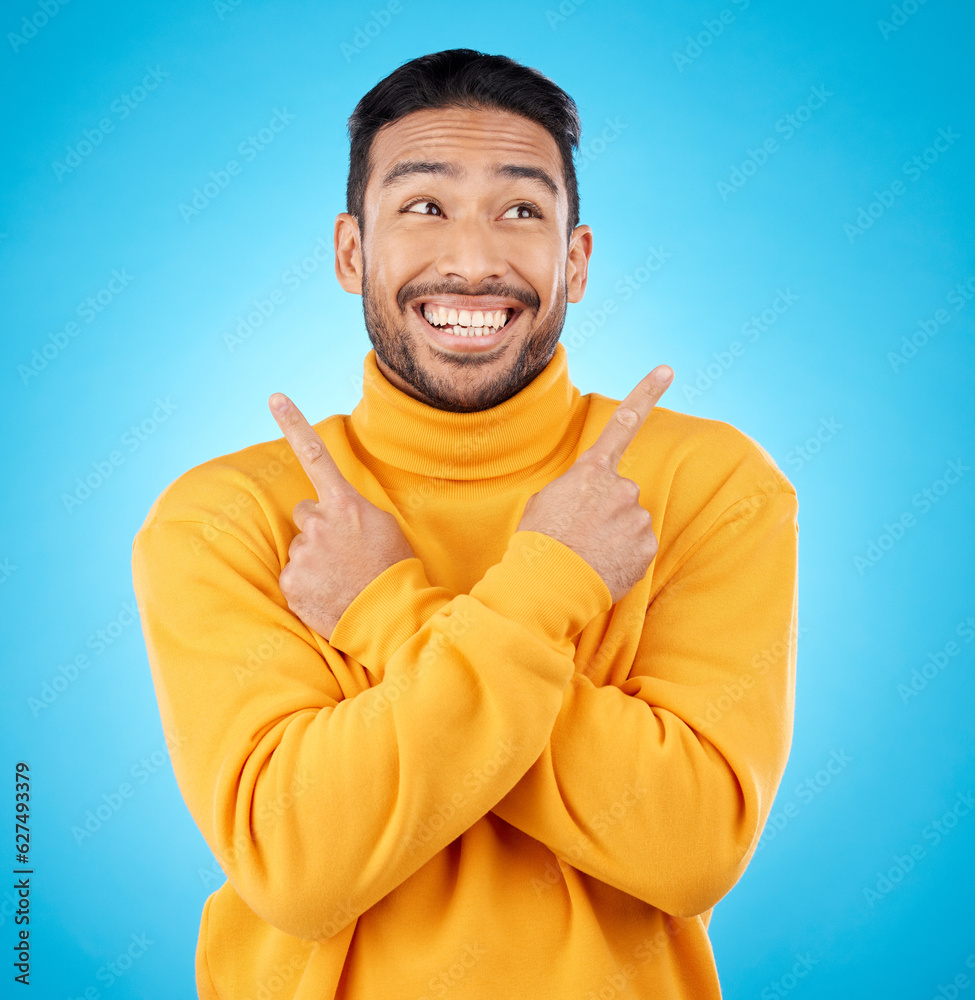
x: 343, y: 542
x: 594, y: 510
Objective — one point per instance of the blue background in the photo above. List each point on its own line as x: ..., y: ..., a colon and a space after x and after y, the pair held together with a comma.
x: 671, y: 106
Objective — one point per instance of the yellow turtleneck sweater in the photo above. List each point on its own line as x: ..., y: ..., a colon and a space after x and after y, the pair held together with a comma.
x: 491, y: 782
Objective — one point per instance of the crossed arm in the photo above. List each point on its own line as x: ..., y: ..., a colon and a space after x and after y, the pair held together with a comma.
x: 653, y: 786
x: 650, y: 786
x: 317, y: 805
x: 661, y: 786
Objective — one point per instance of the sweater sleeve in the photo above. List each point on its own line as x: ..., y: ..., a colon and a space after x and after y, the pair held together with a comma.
x: 318, y: 804
x: 387, y: 612
x: 661, y: 787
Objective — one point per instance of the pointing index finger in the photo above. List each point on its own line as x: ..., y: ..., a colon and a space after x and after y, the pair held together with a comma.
x: 325, y: 475
x: 629, y: 416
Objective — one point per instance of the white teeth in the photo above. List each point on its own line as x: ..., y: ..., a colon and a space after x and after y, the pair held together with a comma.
x: 464, y: 322
x: 468, y: 331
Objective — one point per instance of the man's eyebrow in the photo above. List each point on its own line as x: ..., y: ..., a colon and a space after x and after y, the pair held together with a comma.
x: 406, y: 168
x: 528, y: 173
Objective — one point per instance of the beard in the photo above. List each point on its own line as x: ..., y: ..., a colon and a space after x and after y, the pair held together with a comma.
x: 466, y: 394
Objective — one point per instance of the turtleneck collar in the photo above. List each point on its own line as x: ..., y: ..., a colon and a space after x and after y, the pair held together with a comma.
x: 515, y: 435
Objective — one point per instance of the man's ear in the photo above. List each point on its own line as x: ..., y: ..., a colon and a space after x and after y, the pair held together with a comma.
x: 577, y: 262
x: 348, y: 253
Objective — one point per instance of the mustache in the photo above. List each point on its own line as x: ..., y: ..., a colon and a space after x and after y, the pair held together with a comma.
x: 417, y: 290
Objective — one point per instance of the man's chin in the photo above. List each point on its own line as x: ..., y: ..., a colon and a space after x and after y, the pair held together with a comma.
x: 461, y: 381
x: 454, y: 392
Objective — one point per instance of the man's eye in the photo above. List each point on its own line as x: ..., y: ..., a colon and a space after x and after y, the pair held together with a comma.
x: 410, y: 208
x: 528, y: 207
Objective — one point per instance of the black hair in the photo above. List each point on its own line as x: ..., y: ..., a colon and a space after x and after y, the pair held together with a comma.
x: 462, y: 78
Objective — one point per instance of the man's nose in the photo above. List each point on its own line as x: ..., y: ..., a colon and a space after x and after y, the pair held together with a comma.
x: 472, y: 251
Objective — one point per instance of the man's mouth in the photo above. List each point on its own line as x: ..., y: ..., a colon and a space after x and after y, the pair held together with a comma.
x: 466, y: 322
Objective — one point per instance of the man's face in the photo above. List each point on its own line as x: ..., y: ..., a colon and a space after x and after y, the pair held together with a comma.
x: 463, y: 230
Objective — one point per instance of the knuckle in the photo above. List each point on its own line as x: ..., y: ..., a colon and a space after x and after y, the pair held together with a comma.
x: 624, y: 491
x: 300, y: 560
x: 314, y: 523
x: 627, y: 417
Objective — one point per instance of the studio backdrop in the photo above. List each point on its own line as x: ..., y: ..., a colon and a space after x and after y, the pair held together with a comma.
x: 782, y: 209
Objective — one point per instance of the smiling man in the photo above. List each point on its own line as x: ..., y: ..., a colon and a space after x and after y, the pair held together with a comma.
x: 434, y: 339
x: 454, y: 718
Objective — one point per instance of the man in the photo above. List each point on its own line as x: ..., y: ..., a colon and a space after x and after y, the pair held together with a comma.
x: 453, y: 717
